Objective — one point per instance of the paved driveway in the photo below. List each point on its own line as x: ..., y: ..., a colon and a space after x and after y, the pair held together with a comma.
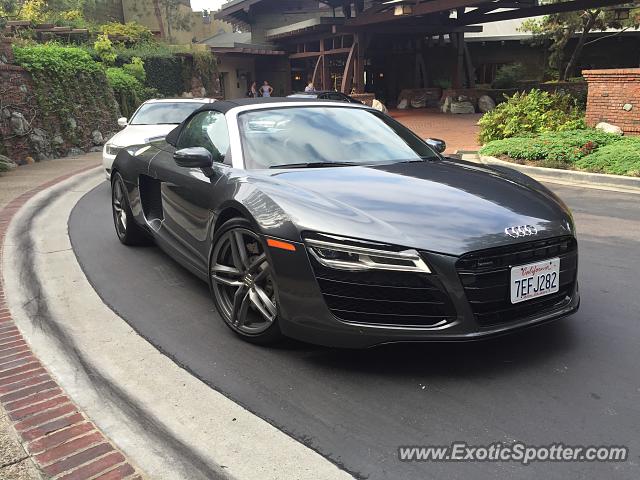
x: 575, y: 381
x: 459, y: 131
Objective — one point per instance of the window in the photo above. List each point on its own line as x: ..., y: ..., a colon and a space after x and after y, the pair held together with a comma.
x: 208, y: 130
x: 164, y: 113
x: 308, y: 135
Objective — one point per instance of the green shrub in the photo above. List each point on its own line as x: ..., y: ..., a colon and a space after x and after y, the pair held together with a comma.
x: 163, y: 69
x: 55, y: 59
x: 129, y: 92
x: 619, y: 158
x: 136, y: 69
x: 105, y: 51
x: 530, y: 114
x: 71, y: 91
x: 554, y: 149
x: 167, y: 72
x: 130, y: 33
x: 508, y: 76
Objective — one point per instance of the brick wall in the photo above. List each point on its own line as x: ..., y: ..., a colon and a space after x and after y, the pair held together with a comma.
x: 614, y: 97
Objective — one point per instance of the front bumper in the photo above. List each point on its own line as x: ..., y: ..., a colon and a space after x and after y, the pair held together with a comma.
x: 306, y: 316
x: 107, y: 163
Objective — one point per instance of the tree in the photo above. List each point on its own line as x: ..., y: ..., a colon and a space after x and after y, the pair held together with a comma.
x: 559, y: 28
x: 46, y: 11
x: 174, y: 18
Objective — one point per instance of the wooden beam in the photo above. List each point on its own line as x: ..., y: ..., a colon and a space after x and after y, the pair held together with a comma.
x: 335, y: 51
x: 347, y: 77
x: 373, y: 15
x: 426, y: 29
x: 472, y: 18
x: 316, y: 70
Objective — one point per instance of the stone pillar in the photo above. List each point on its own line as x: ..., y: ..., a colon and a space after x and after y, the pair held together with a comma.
x: 614, y: 97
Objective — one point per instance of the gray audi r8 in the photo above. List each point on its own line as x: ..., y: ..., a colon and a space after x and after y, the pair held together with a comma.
x: 334, y: 224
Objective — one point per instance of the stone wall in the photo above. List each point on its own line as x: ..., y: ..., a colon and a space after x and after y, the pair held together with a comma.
x: 28, y: 135
x: 614, y: 97
x: 18, y: 113
x: 17, y: 106
x: 577, y: 89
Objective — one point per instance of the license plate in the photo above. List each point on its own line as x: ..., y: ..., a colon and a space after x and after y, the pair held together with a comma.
x: 535, y: 280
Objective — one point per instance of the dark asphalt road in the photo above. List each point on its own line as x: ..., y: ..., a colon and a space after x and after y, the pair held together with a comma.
x: 576, y: 381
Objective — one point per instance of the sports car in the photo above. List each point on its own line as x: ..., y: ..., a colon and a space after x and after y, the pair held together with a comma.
x: 334, y: 224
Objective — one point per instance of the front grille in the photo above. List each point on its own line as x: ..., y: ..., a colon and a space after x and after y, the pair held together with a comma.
x: 485, y: 276
x: 384, y: 297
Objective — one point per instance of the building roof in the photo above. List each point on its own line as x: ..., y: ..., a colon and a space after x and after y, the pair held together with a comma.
x: 227, y: 39
x: 239, y: 43
x: 506, y: 30
x: 304, y: 27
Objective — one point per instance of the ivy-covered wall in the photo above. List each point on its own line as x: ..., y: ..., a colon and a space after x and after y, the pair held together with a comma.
x: 57, y: 103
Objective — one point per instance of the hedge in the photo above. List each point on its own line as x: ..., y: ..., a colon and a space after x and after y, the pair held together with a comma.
x: 588, y: 149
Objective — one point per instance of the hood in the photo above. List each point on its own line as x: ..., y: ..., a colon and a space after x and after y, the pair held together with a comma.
x: 443, y: 206
x: 138, y: 134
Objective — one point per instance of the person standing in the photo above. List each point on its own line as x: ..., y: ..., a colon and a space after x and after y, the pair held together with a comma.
x: 266, y: 89
x: 253, y: 91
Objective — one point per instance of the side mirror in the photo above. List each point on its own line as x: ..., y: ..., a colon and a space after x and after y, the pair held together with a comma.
x: 193, y: 157
x: 438, y: 145
x: 123, y: 122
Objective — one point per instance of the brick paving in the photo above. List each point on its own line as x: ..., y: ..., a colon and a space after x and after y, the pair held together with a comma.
x: 459, y: 131
x: 54, y: 437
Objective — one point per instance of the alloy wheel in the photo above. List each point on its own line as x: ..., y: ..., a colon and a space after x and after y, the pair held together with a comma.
x: 242, y: 282
x: 119, y: 211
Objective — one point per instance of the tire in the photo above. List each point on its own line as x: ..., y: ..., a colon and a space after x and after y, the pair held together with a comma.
x: 242, y: 283
x: 127, y: 229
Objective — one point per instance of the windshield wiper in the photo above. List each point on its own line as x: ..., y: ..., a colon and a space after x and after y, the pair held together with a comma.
x: 316, y: 165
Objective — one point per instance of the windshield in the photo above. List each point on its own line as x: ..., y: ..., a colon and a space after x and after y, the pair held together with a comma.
x: 324, y: 136
x: 164, y: 113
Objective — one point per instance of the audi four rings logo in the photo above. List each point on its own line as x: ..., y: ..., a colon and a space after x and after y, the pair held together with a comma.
x: 521, y: 231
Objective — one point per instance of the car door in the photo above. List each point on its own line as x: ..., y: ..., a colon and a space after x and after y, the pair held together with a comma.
x: 187, y: 194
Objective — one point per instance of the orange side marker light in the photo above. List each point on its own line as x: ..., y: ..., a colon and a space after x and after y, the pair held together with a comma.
x: 281, y: 245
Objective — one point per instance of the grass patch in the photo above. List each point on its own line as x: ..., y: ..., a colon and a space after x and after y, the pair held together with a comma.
x: 619, y: 158
x: 588, y: 149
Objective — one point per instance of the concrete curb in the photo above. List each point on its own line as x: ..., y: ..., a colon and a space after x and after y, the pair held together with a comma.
x: 169, y: 422
x: 570, y: 177
x: 60, y: 438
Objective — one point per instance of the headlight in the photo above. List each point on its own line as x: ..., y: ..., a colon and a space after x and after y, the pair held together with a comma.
x: 349, y: 257
x: 112, y: 149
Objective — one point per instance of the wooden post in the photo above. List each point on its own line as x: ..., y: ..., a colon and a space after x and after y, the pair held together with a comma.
x: 326, y: 79
x: 458, y: 78
x: 471, y: 77
x: 316, y: 71
x: 360, y: 40
x: 347, y: 77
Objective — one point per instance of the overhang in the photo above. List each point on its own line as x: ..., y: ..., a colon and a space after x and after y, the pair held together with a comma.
x: 313, y: 25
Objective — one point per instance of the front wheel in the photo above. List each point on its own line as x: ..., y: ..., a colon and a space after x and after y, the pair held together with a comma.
x: 242, y: 283
x: 129, y: 232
